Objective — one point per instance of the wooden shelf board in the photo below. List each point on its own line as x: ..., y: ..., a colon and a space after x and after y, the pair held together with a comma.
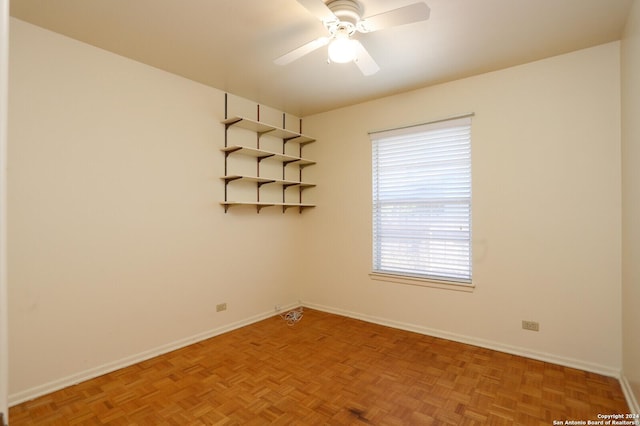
x: 295, y: 183
x: 267, y: 129
x: 230, y: 178
x: 261, y: 153
x: 248, y: 124
x: 302, y: 139
x: 264, y: 204
x: 283, y: 182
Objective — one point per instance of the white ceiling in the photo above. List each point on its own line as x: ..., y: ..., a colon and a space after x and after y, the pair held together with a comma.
x: 231, y: 44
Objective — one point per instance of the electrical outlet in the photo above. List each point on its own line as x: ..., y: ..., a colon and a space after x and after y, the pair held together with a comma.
x: 277, y: 308
x: 221, y: 307
x: 530, y: 325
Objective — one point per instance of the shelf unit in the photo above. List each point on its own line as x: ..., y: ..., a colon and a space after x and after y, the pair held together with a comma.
x: 287, y: 137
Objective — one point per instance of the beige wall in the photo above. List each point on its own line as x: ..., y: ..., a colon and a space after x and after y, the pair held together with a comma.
x: 118, y: 247
x: 4, y: 316
x: 631, y: 202
x: 546, y: 211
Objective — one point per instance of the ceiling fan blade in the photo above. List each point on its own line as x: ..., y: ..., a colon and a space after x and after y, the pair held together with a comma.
x: 318, y: 9
x: 404, y: 15
x: 363, y: 60
x: 301, y: 51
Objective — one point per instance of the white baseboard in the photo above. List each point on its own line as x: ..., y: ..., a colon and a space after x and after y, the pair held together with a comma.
x: 81, y: 376
x: 632, y: 402
x: 514, y: 350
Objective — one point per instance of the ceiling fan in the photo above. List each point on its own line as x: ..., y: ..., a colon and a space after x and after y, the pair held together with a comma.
x: 342, y: 19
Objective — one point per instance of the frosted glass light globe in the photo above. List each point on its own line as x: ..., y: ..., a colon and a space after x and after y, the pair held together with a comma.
x: 342, y: 49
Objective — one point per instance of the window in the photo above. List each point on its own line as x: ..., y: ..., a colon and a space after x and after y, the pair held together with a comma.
x: 422, y: 201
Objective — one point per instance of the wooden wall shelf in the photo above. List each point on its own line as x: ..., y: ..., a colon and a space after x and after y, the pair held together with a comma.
x: 287, y: 137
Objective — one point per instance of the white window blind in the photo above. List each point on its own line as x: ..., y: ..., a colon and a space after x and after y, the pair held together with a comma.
x: 422, y: 201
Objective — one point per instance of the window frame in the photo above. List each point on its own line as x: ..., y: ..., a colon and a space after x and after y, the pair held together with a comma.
x: 422, y: 279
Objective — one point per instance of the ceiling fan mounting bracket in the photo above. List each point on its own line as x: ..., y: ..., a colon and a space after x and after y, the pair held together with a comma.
x: 347, y: 13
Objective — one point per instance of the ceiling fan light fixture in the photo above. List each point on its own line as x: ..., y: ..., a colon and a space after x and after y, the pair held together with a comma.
x: 342, y: 49
x: 343, y: 19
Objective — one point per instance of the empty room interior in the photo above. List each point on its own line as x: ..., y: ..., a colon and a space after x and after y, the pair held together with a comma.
x: 175, y: 173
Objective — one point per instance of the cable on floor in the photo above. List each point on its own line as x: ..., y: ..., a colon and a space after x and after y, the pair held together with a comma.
x: 292, y: 316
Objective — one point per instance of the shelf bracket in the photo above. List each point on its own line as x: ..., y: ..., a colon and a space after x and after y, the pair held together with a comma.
x: 300, y: 208
x: 231, y: 123
x: 264, y: 183
x: 262, y: 157
x: 285, y: 140
x: 231, y: 151
x: 261, y: 206
x: 231, y: 179
x: 263, y: 133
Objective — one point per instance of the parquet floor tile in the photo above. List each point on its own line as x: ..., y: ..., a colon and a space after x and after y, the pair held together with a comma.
x: 329, y: 370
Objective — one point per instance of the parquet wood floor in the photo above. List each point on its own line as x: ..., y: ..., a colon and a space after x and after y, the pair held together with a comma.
x: 329, y: 370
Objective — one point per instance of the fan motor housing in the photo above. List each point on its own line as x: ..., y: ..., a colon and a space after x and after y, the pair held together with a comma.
x: 347, y: 11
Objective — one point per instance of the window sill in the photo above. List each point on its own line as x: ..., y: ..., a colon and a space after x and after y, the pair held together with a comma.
x: 422, y: 282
